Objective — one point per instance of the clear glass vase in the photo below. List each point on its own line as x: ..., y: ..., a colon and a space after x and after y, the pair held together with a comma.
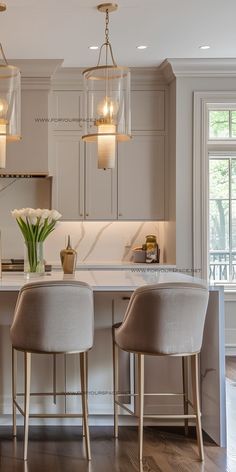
x: 33, y: 259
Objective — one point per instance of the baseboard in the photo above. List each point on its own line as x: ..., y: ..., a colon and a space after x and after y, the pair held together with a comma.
x: 94, y: 420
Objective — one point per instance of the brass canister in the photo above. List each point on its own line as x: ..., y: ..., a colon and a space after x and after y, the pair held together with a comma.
x: 68, y: 258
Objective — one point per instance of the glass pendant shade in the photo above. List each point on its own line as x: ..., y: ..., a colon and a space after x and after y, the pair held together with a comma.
x: 107, y: 117
x: 107, y: 110
x: 10, y: 103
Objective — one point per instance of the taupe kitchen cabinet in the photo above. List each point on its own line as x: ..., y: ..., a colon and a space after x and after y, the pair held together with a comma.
x: 80, y: 190
x: 134, y: 190
x: 141, y: 178
x: 67, y: 166
x: 67, y: 111
x: 100, y: 188
x: 110, y: 307
x: 148, y: 110
x: 30, y: 155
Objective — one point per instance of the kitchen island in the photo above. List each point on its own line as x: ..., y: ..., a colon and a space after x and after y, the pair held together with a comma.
x: 112, y: 290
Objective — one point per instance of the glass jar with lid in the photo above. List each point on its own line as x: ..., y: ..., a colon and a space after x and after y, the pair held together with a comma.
x: 152, y: 250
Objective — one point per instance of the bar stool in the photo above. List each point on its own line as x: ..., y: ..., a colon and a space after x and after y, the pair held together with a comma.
x: 52, y: 318
x: 162, y: 320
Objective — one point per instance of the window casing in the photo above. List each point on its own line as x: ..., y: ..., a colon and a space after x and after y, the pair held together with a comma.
x: 222, y: 193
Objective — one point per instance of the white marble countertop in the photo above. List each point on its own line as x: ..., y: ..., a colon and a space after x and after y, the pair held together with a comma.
x: 100, y: 280
x: 116, y: 265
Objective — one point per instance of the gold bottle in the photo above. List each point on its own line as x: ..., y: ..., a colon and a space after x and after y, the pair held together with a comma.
x: 68, y: 258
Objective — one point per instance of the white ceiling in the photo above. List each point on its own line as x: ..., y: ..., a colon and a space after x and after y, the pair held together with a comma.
x: 63, y: 29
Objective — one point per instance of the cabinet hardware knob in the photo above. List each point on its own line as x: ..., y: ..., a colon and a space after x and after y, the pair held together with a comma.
x: 126, y: 298
x: 81, y: 214
x: 87, y: 214
x: 120, y: 214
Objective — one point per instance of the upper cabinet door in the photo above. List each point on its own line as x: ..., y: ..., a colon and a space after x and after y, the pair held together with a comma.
x: 30, y: 155
x: 148, y: 110
x: 68, y: 177
x: 101, y: 188
x: 67, y: 111
x: 141, y: 178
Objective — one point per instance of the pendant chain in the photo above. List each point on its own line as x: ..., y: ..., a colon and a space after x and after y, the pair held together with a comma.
x: 107, y: 29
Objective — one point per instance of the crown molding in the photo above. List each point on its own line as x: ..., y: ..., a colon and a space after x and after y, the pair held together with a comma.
x: 36, y: 67
x: 36, y: 74
x: 35, y: 83
x: 71, y: 78
x: 166, y: 70
x: 172, y: 68
x: 147, y: 77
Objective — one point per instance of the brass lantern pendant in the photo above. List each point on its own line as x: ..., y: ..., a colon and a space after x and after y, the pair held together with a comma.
x: 10, y: 102
x: 107, y: 101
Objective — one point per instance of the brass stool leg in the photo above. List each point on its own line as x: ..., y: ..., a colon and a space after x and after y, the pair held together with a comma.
x: 85, y: 404
x: 27, y: 362
x: 14, y: 382
x: 185, y: 391
x: 196, y: 403
x: 86, y: 380
x: 141, y: 402
x: 54, y: 377
x: 115, y: 386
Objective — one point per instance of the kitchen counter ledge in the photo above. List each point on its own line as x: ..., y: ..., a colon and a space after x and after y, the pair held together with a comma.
x: 100, y: 280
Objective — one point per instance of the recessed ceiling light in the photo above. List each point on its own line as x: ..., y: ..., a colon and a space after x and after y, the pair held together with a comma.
x: 204, y: 47
x: 94, y: 48
x: 141, y: 47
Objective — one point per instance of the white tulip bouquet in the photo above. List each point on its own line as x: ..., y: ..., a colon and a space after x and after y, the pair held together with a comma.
x: 35, y: 226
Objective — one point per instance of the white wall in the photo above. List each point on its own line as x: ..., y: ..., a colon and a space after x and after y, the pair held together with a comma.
x: 185, y: 86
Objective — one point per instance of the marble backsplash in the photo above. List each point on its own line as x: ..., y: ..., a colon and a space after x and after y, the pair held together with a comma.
x: 101, y: 241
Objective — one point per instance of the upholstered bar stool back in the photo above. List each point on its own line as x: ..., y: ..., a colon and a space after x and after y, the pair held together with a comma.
x: 52, y: 317
x: 165, y: 319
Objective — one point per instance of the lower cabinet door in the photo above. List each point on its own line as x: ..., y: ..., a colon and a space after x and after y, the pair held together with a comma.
x: 126, y: 360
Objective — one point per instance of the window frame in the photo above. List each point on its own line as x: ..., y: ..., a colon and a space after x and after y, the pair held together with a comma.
x: 221, y: 107
x: 202, y: 146
x: 229, y: 156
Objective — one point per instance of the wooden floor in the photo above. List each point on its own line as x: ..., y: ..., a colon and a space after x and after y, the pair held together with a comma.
x: 55, y: 449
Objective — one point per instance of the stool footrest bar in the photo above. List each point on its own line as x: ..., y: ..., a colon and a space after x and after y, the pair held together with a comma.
x: 125, y: 407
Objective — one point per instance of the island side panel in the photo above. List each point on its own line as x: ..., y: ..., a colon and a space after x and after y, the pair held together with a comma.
x: 213, y: 369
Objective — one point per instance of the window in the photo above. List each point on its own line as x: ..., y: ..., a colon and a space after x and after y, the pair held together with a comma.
x: 222, y: 124
x: 222, y: 195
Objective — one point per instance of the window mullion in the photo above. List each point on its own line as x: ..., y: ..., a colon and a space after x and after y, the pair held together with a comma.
x: 230, y: 124
x: 230, y: 220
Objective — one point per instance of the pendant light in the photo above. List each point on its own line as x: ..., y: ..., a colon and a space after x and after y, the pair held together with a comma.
x: 107, y: 100
x: 10, y: 102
